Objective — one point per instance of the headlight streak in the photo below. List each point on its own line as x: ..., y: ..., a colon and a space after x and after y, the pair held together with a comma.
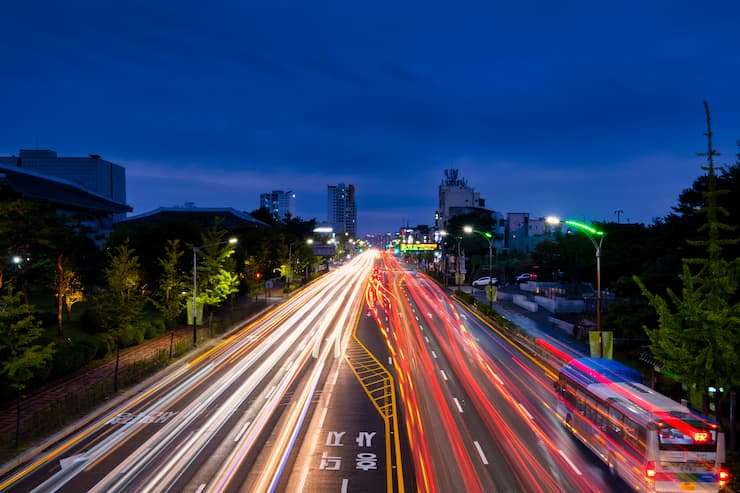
x: 284, y: 442
x: 129, y: 467
x: 81, y: 435
x: 278, y: 460
x: 120, y: 436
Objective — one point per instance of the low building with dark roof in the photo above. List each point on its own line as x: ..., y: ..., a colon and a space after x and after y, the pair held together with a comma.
x: 206, y: 217
x: 65, y: 195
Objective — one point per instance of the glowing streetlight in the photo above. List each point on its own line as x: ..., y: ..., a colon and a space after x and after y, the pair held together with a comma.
x: 489, y: 238
x: 290, y: 258
x: 592, y: 234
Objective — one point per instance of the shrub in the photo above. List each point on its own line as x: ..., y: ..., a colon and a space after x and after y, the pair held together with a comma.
x: 71, y: 357
x: 131, y: 335
x: 105, y: 345
x: 153, y: 329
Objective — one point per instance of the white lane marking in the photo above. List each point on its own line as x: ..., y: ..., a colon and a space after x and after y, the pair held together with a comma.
x: 524, y: 409
x: 421, y: 328
x: 241, y: 432
x: 480, y: 452
x: 202, y: 487
x: 68, y: 461
x: 426, y: 339
x: 323, y: 416
x: 457, y: 403
x: 345, y: 484
x: 565, y: 457
x: 390, y: 361
x: 444, y: 375
x: 434, y: 355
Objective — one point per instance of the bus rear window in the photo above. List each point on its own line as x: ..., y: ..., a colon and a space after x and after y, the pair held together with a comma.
x: 693, y: 439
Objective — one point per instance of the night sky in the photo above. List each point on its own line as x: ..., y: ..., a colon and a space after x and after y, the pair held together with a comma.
x: 574, y: 108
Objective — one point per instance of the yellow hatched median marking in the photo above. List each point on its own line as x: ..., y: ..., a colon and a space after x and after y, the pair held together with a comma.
x: 378, y: 384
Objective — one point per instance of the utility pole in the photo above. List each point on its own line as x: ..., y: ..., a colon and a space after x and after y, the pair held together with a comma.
x: 619, y: 213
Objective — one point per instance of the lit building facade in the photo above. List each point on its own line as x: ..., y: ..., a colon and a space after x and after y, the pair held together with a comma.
x: 280, y: 204
x: 342, y: 209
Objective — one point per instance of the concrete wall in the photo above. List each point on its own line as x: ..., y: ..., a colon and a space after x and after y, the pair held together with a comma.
x: 523, y: 301
x: 560, y: 305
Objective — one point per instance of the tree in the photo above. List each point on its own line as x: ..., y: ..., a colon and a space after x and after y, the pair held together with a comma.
x: 123, y: 303
x: 170, y: 296
x: 698, y: 332
x: 49, y: 239
x: 216, y: 277
x: 21, y: 354
x: 71, y: 291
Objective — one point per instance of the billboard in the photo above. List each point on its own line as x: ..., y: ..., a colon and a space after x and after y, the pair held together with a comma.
x: 418, y: 247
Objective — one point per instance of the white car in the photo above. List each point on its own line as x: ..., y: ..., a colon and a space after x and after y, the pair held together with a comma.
x: 484, y: 281
x: 525, y: 278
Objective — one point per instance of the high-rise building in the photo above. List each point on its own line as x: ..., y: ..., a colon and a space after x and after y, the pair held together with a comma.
x: 342, y: 209
x: 280, y: 204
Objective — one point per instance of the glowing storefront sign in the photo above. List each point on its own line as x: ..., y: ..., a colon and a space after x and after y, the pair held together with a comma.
x: 418, y: 247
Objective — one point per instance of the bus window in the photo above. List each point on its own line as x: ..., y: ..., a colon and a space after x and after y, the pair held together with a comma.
x: 693, y: 439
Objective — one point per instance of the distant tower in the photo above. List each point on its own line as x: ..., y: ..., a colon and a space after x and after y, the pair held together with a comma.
x: 279, y: 203
x: 342, y: 209
x: 455, y: 196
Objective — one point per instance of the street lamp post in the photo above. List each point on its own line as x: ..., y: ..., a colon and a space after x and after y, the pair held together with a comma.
x: 592, y: 234
x: 290, y: 264
x: 457, y: 260
x: 489, y: 238
x: 290, y: 258
x: 195, y: 284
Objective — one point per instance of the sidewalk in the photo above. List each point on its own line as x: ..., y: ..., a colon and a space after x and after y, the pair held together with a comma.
x: 536, y: 324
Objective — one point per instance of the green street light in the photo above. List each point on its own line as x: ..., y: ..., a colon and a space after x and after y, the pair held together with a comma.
x: 489, y: 238
x: 195, y: 283
x: 592, y: 235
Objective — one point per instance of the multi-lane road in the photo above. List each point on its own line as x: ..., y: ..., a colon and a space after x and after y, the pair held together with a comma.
x: 369, y: 379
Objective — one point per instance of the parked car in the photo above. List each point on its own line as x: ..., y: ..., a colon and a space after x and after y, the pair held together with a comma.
x: 484, y: 281
x: 525, y: 278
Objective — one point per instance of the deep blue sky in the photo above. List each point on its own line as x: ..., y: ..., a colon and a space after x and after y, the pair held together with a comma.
x: 575, y: 108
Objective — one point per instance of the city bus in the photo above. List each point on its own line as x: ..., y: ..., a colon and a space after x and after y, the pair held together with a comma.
x: 649, y: 440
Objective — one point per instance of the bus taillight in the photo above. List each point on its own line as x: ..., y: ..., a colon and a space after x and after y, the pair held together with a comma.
x: 650, y: 471
x: 723, y: 475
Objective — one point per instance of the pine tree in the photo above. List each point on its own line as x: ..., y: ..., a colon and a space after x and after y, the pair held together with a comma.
x: 698, y: 332
x: 170, y: 300
x: 122, y: 304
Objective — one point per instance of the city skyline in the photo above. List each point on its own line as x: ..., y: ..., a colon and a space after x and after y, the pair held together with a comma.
x: 577, y: 110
